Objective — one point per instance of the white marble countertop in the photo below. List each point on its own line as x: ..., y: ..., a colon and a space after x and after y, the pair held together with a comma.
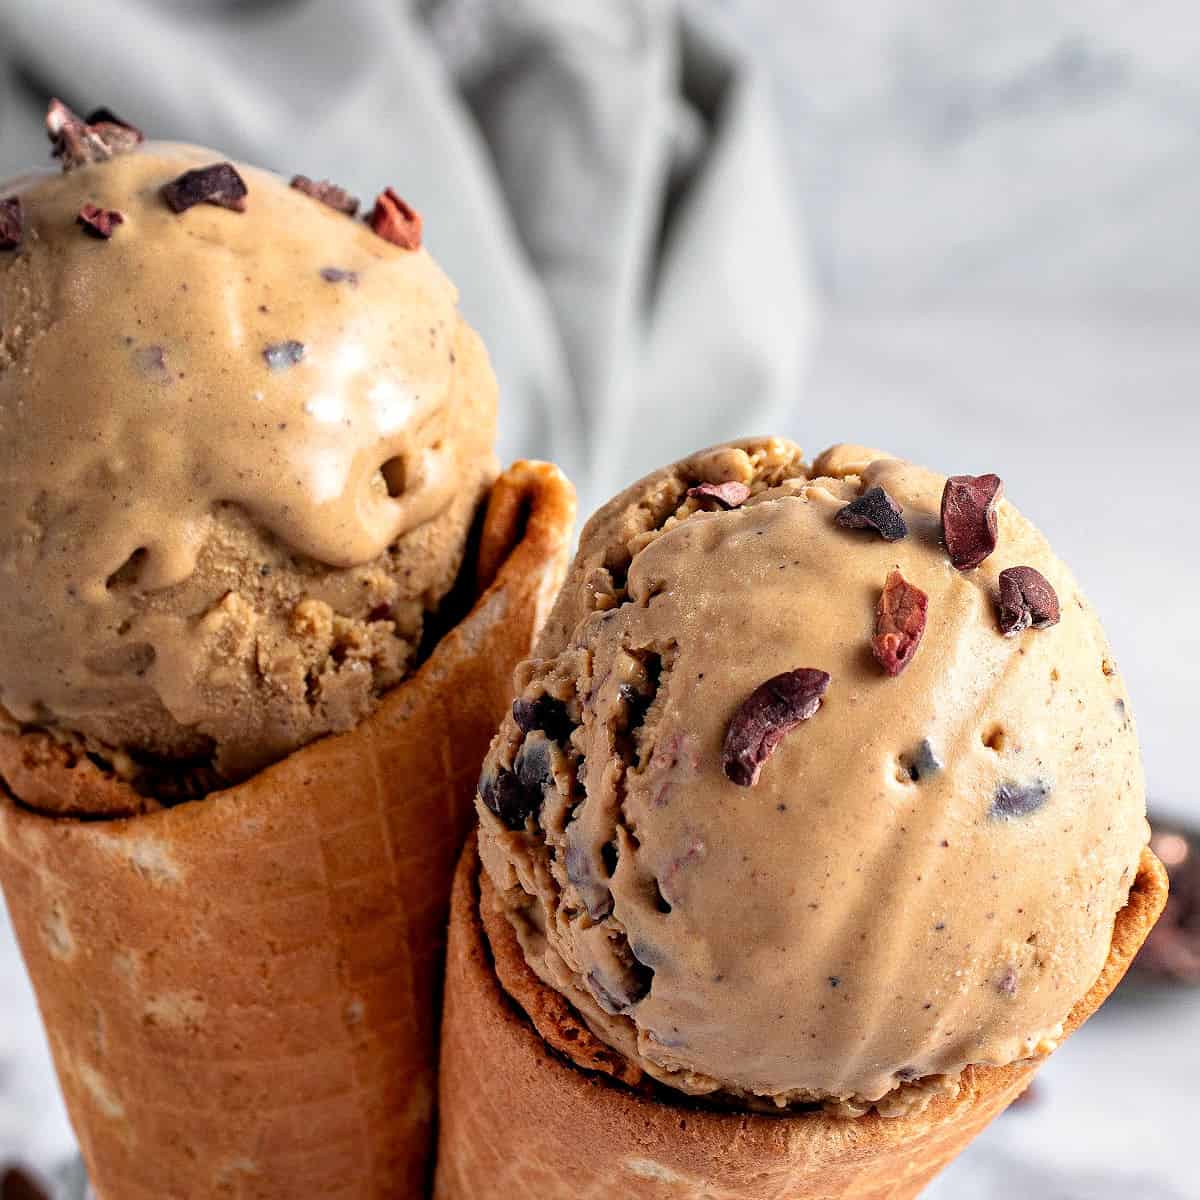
x: 1000, y: 203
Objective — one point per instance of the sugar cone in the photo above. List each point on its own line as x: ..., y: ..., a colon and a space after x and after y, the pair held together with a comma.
x: 240, y: 992
x: 518, y: 1120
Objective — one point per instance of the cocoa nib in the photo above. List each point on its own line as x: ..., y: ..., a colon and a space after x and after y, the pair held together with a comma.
x: 969, y: 517
x: 1026, y: 598
x: 874, y: 509
x: 1172, y: 951
x: 899, y: 623
x: 280, y: 355
x: 339, y: 275
x: 12, y: 222
x: 1018, y: 799
x: 218, y: 183
x: 1006, y: 985
x: 395, y: 221
x: 327, y: 193
x: 720, y: 495
x: 772, y: 710
x: 99, y: 222
x: 78, y: 142
x: 544, y: 713
x: 106, y: 116
x: 508, y: 798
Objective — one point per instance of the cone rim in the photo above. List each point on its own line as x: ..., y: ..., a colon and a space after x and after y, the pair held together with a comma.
x: 529, y: 515
x: 979, y: 1084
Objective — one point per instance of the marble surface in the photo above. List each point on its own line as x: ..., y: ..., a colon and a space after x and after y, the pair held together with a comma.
x: 999, y: 203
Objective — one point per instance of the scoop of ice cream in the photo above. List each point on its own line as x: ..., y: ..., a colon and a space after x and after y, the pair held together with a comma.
x: 241, y: 452
x: 756, y: 860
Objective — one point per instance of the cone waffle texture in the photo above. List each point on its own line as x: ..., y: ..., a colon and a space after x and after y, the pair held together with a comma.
x: 240, y: 992
x: 518, y: 1120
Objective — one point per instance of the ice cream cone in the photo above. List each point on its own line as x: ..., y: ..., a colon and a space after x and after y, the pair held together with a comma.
x: 240, y: 993
x: 516, y: 1119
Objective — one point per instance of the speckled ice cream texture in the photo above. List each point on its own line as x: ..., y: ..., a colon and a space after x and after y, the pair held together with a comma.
x: 865, y: 920
x: 241, y: 452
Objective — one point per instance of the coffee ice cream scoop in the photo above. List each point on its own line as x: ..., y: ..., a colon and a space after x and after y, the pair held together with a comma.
x: 243, y: 436
x: 794, y: 809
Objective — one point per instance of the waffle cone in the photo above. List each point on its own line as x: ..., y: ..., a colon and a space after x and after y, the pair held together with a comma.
x: 518, y: 1120
x: 241, y: 993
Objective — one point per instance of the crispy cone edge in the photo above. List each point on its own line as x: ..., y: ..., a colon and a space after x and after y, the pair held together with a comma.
x: 519, y: 1120
x: 241, y: 993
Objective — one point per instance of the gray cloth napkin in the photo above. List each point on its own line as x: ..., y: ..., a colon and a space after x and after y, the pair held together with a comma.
x: 600, y: 177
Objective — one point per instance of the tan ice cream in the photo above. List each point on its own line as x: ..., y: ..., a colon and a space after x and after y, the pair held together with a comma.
x: 241, y: 452
x: 926, y: 870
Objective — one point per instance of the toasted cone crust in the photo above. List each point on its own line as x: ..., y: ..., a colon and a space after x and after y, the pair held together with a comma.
x: 518, y: 1120
x: 240, y: 992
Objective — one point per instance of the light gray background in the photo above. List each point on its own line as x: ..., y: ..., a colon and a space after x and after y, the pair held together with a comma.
x: 999, y: 206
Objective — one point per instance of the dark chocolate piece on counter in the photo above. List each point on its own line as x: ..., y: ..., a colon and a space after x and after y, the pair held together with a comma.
x: 899, y: 623
x: 78, y: 142
x: 504, y: 795
x: 969, y: 518
x: 16, y: 1184
x: 876, y: 510
x: 720, y: 495
x: 1171, y: 954
x: 218, y: 183
x: 12, y: 222
x: 327, y: 193
x: 1019, y: 799
x: 281, y: 355
x: 1026, y: 599
x: 395, y: 221
x: 99, y: 222
x: 544, y: 713
x: 772, y: 710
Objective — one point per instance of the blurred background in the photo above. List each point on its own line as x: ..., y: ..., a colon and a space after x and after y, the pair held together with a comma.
x: 962, y: 231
